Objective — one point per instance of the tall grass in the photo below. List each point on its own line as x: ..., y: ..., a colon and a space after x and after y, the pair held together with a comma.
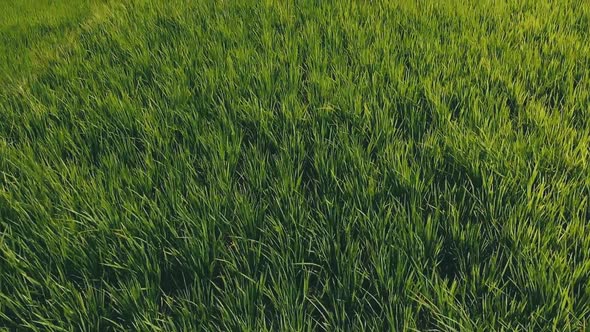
x: 297, y: 165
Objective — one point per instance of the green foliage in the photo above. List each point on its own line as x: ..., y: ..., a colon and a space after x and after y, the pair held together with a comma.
x: 295, y: 165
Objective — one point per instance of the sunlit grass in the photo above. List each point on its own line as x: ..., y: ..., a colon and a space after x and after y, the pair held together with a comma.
x: 311, y: 165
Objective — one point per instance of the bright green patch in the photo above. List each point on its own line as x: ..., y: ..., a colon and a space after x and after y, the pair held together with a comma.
x: 34, y: 32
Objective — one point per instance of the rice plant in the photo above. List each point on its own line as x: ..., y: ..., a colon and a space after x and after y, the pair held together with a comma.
x: 281, y: 165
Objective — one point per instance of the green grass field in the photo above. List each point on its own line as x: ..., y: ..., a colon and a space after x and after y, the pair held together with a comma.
x: 280, y: 165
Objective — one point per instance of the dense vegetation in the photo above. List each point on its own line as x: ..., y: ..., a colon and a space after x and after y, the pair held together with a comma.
x: 294, y: 165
